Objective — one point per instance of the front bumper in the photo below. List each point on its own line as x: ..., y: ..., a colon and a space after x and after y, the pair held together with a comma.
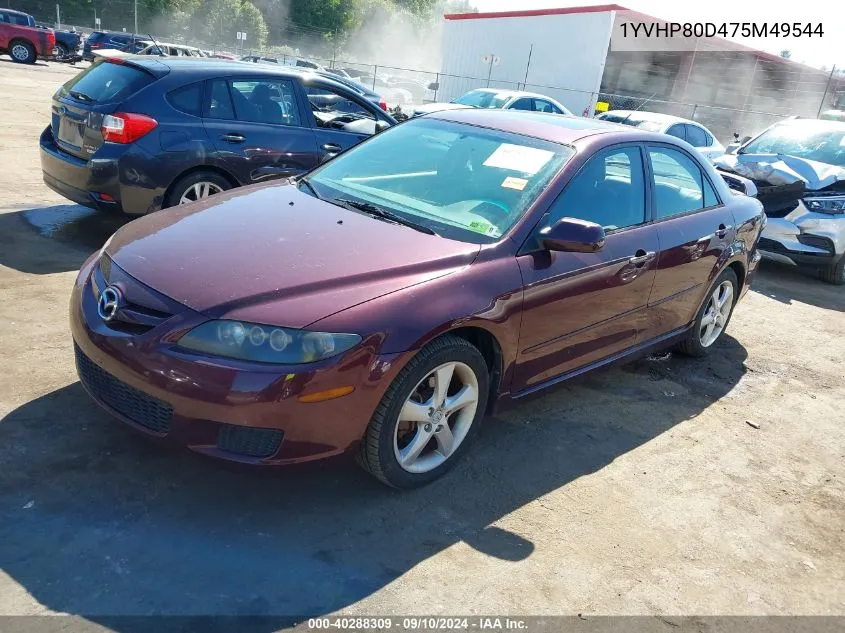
x: 237, y: 411
x: 804, y: 238
x: 113, y: 170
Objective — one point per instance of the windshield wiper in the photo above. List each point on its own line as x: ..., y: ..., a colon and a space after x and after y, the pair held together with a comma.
x: 305, y: 182
x: 80, y: 95
x: 380, y: 212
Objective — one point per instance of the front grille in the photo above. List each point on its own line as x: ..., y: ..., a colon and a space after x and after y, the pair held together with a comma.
x: 247, y: 441
x: 141, y: 408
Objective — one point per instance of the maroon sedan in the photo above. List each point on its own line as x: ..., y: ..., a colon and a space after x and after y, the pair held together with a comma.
x: 387, y: 301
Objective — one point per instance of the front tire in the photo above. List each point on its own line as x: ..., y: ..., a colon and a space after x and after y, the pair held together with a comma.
x: 713, y: 317
x: 834, y: 274
x: 429, y: 415
x: 22, y: 52
x: 196, y: 186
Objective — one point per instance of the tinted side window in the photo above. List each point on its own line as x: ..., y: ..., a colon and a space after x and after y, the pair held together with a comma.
x: 219, y: 105
x: 609, y: 190
x: 266, y: 101
x: 680, y: 185
x: 696, y: 136
x: 676, y: 130
x: 541, y: 105
x: 187, y: 99
x: 522, y: 104
x: 330, y: 107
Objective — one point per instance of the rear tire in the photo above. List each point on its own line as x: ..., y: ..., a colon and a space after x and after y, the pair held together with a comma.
x: 22, y: 52
x: 835, y: 274
x: 61, y: 50
x: 699, y: 340
x: 443, y: 431
x: 194, y: 187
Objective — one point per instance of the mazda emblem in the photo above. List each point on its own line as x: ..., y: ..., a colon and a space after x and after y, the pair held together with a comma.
x: 109, y: 303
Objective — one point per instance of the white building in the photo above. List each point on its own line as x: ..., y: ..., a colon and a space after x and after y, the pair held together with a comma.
x: 529, y: 50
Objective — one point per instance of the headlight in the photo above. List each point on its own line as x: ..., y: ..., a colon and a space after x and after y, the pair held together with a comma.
x: 832, y: 205
x: 264, y: 343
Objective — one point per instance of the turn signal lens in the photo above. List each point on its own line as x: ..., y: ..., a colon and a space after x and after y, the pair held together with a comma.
x: 126, y: 127
x: 328, y: 394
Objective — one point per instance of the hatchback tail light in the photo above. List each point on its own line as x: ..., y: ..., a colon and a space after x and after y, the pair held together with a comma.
x: 126, y: 127
x: 382, y: 104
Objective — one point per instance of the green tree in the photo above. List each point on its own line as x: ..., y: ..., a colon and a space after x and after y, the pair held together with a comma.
x: 329, y: 16
x: 222, y: 19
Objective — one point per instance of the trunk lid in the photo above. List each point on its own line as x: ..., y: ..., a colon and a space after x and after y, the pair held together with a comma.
x: 80, y: 104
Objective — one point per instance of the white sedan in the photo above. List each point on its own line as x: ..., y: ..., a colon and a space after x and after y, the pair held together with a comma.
x: 693, y: 133
x: 493, y: 98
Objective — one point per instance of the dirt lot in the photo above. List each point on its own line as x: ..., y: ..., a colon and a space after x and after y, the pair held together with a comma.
x: 640, y: 490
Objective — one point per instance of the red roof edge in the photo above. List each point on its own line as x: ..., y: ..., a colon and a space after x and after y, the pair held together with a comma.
x: 598, y: 8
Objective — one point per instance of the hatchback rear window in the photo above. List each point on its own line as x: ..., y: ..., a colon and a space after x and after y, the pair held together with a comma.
x: 105, y: 82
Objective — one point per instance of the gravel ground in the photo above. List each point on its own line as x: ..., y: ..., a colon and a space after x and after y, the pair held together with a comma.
x: 638, y: 490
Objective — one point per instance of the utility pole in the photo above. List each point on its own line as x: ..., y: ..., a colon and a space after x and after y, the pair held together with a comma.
x: 136, y: 16
x: 58, y: 17
x: 826, y: 88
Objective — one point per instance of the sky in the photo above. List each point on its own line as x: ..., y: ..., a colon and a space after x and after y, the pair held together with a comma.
x: 816, y: 51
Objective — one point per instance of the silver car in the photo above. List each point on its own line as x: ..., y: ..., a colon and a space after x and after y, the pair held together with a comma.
x: 796, y: 168
x: 493, y: 98
x: 692, y: 132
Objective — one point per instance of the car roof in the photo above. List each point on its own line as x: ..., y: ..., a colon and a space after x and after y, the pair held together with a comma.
x: 213, y: 67
x: 552, y: 127
x: 14, y: 11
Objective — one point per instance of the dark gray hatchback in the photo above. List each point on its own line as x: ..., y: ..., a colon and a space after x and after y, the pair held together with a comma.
x: 137, y: 134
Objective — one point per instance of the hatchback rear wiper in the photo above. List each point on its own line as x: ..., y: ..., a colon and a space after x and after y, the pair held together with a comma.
x: 380, y: 212
x: 80, y: 95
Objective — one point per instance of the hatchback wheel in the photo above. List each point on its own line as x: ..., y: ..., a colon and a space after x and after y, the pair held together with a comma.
x: 22, y: 52
x: 713, y: 317
x: 428, y: 416
x: 197, y: 186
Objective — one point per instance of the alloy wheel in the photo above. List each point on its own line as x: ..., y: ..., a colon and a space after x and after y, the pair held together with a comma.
x: 20, y: 52
x: 198, y: 191
x: 436, y: 417
x: 716, y: 315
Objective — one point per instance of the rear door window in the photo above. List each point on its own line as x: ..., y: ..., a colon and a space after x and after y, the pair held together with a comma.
x: 696, y: 136
x: 106, y: 83
x: 680, y: 185
x: 522, y: 104
x: 541, y: 105
x: 219, y: 105
x: 677, y: 130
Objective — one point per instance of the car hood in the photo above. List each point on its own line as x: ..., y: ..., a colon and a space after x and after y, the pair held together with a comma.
x: 781, y: 169
x: 439, y: 107
x: 272, y: 254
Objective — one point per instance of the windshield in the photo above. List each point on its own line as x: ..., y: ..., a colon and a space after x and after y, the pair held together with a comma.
x: 810, y: 139
x: 482, y: 99
x: 463, y: 182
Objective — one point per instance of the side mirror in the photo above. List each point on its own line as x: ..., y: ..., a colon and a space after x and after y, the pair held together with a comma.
x: 434, y: 85
x: 381, y: 126
x: 732, y: 147
x: 572, y: 235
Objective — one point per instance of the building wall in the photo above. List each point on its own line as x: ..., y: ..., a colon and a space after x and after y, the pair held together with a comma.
x: 567, y: 55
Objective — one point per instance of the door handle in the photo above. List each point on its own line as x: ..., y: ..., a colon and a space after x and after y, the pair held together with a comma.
x: 723, y: 230
x: 641, y: 257
x: 233, y: 137
x: 331, y: 147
